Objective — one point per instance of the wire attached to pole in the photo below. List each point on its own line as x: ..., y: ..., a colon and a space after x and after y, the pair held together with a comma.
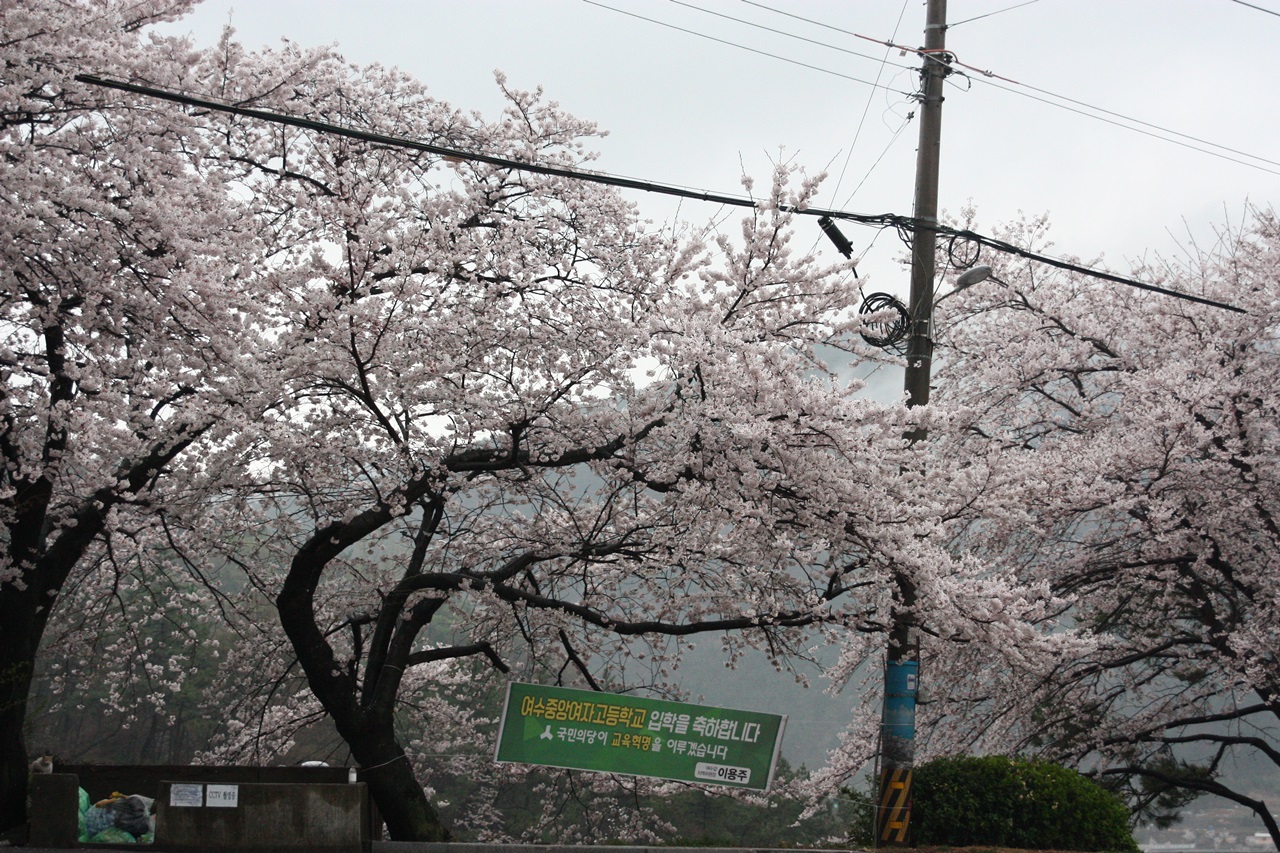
x: 881, y: 220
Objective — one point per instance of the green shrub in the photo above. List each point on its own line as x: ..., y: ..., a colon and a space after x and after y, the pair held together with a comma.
x: 1007, y: 802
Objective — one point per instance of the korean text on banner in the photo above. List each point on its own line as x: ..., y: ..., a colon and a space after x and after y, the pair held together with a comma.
x: 609, y: 733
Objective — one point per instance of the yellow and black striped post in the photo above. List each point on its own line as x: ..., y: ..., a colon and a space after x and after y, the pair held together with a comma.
x: 893, y: 810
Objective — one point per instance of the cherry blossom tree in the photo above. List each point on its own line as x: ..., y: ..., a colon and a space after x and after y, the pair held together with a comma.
x: 522, y: 426
x: 1138, y: 434
x: 128, y: 341
x: 446, y: 417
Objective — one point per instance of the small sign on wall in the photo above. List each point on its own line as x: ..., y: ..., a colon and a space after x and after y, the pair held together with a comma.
x: 186, y: 795
x: 222, y: 796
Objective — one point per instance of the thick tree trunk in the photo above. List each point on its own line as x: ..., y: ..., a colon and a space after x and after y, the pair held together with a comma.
x: 394, y: 787
x: 24, y: 612
x: 14, y: 685
x: 16, y: 668
x: 368, y: 730
x: 25, y: 605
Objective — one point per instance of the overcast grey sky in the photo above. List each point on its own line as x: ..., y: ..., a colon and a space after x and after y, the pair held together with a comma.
x: 683, y: 108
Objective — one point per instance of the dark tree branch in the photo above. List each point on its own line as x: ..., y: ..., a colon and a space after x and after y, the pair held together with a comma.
x: 431, y: 655
x: 577, y: 661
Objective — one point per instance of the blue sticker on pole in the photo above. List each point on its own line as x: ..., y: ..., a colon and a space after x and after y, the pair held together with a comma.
x: 901, y: 682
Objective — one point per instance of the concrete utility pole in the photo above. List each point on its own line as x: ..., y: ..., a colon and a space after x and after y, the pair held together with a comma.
x: 902, y: 662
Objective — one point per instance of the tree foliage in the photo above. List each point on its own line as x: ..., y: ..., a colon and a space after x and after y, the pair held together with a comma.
x: 119, y: 325
x: 1137, y: 477
x: 406, y: 426
x: 515, y: 405
x: 580, y: 438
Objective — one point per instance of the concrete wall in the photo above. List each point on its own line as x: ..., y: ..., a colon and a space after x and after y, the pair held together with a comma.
x: 54, y: 810
x: 101, y: 779
x: 327, y: 817
x: 266, y: 816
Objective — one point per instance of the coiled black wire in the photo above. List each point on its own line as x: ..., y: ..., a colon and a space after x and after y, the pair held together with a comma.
x: 885, y: 334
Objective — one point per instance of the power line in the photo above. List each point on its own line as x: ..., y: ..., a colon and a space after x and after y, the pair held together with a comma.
x: 801, y: 17
x: 1121, y: 118
x: 414, y: 145
x: 882, y: 220
x: 989, y: 14
x: 862, y: 120
x: 882, y: 61
x: 1259, y: 8
x: 744, y: 47
x: 887, y: 146
x: 745, y: 22
x: 951, y: 59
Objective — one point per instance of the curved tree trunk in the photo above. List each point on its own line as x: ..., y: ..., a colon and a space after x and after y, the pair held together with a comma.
x: 393, y: 786
x: 367, y: 727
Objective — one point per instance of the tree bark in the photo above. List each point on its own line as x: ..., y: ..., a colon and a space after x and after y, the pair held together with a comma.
x: 24, y: 612
x: 26, y: 603
x: 393, y: 785
x: 369, y: 730
x: 16, y: 668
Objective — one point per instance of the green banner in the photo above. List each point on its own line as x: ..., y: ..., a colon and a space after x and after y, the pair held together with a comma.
x: 588, y: 730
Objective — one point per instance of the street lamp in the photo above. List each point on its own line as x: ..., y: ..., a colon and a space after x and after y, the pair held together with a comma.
x: 973, y: 275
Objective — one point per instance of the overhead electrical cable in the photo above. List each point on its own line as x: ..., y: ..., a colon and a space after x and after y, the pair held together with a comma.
x: 916, y: 50
x: 1154, y: 127
x: 862, y: 120
x: 775, y: 31
x: 414, y: 145
x: 883, y: 61
x: 873, y: 166
x: 1259, y: 8
x: 989, y: 14
x: 742, y: 47
x: 882, y: 220
x: 1121, y: 118
x: 1118, y: 119
x: 800, y: 17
